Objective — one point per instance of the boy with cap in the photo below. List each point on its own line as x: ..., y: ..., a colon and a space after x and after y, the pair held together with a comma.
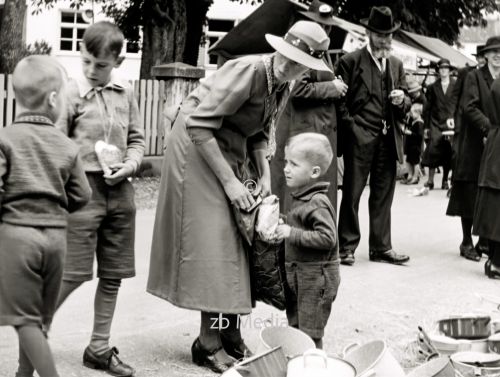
x: 41, y: 179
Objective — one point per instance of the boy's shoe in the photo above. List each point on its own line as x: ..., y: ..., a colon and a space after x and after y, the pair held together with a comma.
x: 347, y: 257
x: 108, y: 362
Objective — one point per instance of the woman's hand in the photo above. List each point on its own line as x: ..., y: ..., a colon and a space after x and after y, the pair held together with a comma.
x: 238, y: 194
x: 263, y: 186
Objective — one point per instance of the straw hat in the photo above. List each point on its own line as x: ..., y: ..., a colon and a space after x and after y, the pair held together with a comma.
x: 306, y: 43
x: 381, y: 21
x: 319, y: 12
x: 492, y: 43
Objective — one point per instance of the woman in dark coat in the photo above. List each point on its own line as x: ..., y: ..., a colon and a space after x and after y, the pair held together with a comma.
x: 472, y: 124
x: 198, y: 258
x: 487, y: 209
x: 438, y: 117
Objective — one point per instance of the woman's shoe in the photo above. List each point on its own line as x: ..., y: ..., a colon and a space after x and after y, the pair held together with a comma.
x: 491, y: 273
x: 469, y: 252
x: 237, y: 350
x: 429, y: 185
x: 209, y: 359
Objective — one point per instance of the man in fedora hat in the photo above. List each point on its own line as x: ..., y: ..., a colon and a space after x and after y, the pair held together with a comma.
x: 311, y: 108
x: 369, y: 137
x: 438, y: 117
x: 469, y: 148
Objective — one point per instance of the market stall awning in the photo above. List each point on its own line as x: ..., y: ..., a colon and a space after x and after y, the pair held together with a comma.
x: 435, y: 46
x: 274, y: 17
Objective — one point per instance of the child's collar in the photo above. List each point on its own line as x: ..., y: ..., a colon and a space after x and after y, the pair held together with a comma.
x: 86, y: 90
x: 308, y: 191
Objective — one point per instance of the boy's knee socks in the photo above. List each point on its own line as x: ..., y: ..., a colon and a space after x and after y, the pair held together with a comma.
x: 35, y: 347
x: 104, y: 309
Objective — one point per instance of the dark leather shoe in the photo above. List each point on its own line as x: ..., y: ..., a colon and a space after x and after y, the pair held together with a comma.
x: 237, y: 350
x: 209, y: 359
x: 389, y: 256
x: 491, y: 273
x: 469, y: 252
x: 346, y: 257
x: 429, y: 185
x: 108, y: 362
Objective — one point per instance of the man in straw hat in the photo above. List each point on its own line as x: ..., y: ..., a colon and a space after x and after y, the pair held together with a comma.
x: 370, y: 138
x: 311, y: 108
x: 469, y: 151
x: 226, y: 124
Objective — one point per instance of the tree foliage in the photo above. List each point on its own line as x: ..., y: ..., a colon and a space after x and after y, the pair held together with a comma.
x: 172, y: 29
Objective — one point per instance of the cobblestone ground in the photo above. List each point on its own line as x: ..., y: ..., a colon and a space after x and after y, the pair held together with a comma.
x: 375, y: 301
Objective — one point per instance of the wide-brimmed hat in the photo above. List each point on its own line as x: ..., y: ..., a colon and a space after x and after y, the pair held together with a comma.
x: 413, y: 85
x: 305, y: 42
x: 381, y: 21
x: 444, y: 63
x: 492, y: 43
x: 319, y: 12
x: 479, y: 50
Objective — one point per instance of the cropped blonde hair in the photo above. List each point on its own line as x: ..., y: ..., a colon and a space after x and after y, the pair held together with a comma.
x: 34, y: 78
x: 315, y: 147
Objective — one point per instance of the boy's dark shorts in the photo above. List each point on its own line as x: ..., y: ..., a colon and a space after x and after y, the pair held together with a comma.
x: 105, y: 227
x: 313, y: 287
x: 31, y: 268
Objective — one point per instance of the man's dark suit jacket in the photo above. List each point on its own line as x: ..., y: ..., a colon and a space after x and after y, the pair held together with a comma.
x: 355, y: 70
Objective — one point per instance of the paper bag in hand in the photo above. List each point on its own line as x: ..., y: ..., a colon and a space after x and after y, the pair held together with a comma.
x: 108, y: 155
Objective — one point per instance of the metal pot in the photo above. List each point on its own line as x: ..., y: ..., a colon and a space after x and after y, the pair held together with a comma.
x: 466, y: 327
x: 271, y: 362
x: 315, y: 363
x: 494, y: 343
x: 475, y: 364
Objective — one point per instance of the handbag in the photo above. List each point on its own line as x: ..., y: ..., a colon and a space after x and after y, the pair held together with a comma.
x: 267, y: 266
x: 267, y: 258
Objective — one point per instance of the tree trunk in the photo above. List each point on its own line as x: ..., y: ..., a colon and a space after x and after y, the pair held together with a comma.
x: 196, y: 16
x: 12, y: 42
x: 164, y: 33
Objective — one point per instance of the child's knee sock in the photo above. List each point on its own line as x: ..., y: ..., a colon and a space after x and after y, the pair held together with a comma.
x: 104, y: 309
x: 66, y: 288
x: 36, y: 349
x: 25, y: 368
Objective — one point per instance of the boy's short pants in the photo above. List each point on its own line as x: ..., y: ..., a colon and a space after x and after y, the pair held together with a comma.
x: 105, y: 227
x: 313, y: 287
x: 31, y: 267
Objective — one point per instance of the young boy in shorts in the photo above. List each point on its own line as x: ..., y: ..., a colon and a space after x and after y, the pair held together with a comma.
x: 311, y: 251
x: 41, y: 179
x: 102, y: 110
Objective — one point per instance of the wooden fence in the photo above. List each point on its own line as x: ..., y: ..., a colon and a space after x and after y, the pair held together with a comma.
x: 150, y: 95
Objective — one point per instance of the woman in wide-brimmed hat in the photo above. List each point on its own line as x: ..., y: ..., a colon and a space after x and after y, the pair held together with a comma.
x: 198, y: 257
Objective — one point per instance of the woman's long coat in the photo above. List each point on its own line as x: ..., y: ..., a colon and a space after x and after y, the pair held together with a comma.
x: 486, y: 219
x: 198, y: 260
x: 474, y: 125
x: 438, y: 109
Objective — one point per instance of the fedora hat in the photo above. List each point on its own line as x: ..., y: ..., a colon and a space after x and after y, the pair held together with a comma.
x: 413, y: 85
x: 381, y: 21
x: 492, y: 43
x: 444, y: 63
x: 305, y: 42
x: 319, y: 12
x: 479, y: 50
